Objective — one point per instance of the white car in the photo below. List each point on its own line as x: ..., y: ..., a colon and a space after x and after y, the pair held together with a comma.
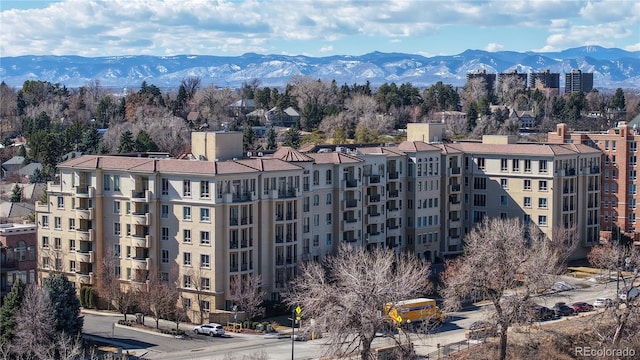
x: 211, y: 329
x: 602, y: 303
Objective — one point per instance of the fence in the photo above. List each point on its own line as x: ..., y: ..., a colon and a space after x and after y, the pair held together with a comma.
x: 445, y: 351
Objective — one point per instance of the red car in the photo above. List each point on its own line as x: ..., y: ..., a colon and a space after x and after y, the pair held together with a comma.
x: 581, y: 306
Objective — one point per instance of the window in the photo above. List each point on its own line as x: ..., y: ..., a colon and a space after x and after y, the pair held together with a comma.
x: 57, y: 243
x: 316, y: 177
x: 479, y: 200
x: 503, y: 200
x: 72, y: 245
x: 186, y: 282
x: 186, y: 188
x: 204, y: 189
x: 316, y: 200
x: 116, y: 250
x: 204, y: 305
x: 632, y: 203
x: 329, y: 177
x: 316, y: 240
x: 632, y: 189
x: 165, y: 233
x: 515, y: 165
x: 128, y: 250
x: 204, y: 214
x: 72, y: 266
x: 205, y: 261
x: 116, y: 228
x: 128, y: 207
x: 128, y: 229
x: 164, y: 256
x: 117, y: 271
x: 504, y: 164
x: 205, y: 238
x: 186, y: 236
x: 186, y: 259
x: 57, y: 223
x: 165, y: 186
x: 186, y: 213
x: 116, y: 182
x: 527, y: 184
x: 316, y: 220
x: 164, y: 210
x: 527, y: 201
x: 116, y: 207
x: 72, y: 224
x: 328, y: 239
x: 542, y: 220
x: 45, y: 262
x: 60, y: 202
x: 504, y: 183
x: 128, y: 273
x: 205, y: 284
x: 632, y: 175
x: 45, y: 221
x: 186, y: 303
x: 613, y: 144
x: 633, y: 146
x: 542, y: 185
x: 542, y: 166
x: 329, y: 199
x: 527, y: 166
x: 481, y: 163
x: 480, y: 183
x: 107, y: 182
x: 328, y: 218
x: 542, y: 203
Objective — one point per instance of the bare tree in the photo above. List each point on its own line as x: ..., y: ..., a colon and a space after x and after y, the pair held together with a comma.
x: 509, y: 88
x: 348, y: 292
x: 248, y: 294
x: 473, y: 90
x: 503, y: 257
x: 35, y: 325
x: 158, y: 297
x: 108, y: 282
x: 198, y: 287
x: 213, y: 102
x: 341, y: 121
x: 191, y: 85
x: 312, y: 95
x: 624, y: 260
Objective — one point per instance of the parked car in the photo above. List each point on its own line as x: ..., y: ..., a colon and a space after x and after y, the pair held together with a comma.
x: 628, y: 292
x: 602, y: 303
x: 562, y: 286
x: 581, y: 306
x: 481, y: 330
x: 306, y: 335
x: 211, y: 329
x: 562, y: 309
x: 542, y: 313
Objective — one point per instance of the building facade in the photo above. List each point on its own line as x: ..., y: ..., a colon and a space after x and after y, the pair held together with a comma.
x: 545, y: 79
x: 17, y: 255
x: 620, y: 197
x: 489, y: 79
x: 213, y: 221
x: 577, y: 81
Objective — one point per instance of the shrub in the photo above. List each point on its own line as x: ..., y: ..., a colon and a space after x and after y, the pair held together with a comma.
x: 125, y: 322
x: 255, y: 325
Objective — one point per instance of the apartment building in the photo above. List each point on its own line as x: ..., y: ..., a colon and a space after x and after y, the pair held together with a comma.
x: 512, y: 77
x: 577, y: 81
x: 544, y: 79
x: 17, y: 255
x: 619, y: 148
x: 489, y: 79
x: 225, y: 216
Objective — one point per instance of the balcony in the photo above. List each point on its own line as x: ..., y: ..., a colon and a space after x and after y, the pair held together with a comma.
x: 140, y: 219
x: 288, y: 193
x: 140, y: 195
x: 566, y: 172
x: 141, y: 241
x: 84, y: 256
x: 351, y: 203
x: 394, y: 175
x: 84, y: 191
x: 85, y: 235
x: 455, y: 223
x: 372, y: 179
x: 350, y: 183
x: 454, y: 171
x: 373, y: 217
x: 393, y: 211
x: 454, y: 188
x: 84, y: 214
x: 374, y: 237
x: 374, y: 198
x: 350, y: 225
x: 241, y: 197
x: 140, y: 263
x: 84, y: 277
x: 393, y: 194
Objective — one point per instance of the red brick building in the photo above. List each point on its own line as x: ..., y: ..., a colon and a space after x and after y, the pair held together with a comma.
x: 18, y: 244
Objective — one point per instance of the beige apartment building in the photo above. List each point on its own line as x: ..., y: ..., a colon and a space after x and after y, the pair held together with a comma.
x: 223, y: 215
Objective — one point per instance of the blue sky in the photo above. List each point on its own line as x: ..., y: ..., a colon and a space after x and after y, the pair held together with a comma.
x: 311, y: 27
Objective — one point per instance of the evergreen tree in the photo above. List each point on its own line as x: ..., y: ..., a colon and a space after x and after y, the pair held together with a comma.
x: 22, y: 151
x: 618, y: 102
x: 64, y: 304
x: 127, y: 144
x: 292, y: 138
x: 272, y: 141
x: 9, y: 310
x: 248, y: 138
x: 339, y: 136
x: 89, y: 141
x: 144, y: 142
x: 16, y: 194
x: 37, y: 177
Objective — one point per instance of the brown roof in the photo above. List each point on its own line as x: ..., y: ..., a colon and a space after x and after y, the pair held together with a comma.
x: 531, y: 149
x: 287, y: 153
x: 334, y: 158
x: 391, y: 150
x: 413, y: 146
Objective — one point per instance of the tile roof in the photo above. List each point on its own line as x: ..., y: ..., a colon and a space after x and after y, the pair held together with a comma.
x: 334, y: 158
x: 413, y: 146
x: 287, y: 153
x: 531, y: 149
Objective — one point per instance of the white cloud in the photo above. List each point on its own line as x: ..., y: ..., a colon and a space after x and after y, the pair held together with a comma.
x: 634, y: 47
x: 328, y: 48
x: 493, y: 47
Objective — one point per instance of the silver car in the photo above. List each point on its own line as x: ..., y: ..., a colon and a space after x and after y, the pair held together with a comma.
x: 211, y: 329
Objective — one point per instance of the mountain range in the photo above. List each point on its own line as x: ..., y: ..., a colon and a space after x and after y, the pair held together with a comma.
x: 612, y: 68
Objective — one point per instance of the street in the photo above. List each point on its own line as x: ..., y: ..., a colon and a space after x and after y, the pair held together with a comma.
x: 233, y: 345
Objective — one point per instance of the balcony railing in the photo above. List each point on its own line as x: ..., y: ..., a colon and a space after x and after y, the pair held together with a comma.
x: 393, y: 193
x: 374, y: 198
x: 351, y: 203
x: 454, y: 170
x: 351, y: 183
x: 393, y: 175
x: 455, y: 187
x: 287, y: 193
x: 374, y: 179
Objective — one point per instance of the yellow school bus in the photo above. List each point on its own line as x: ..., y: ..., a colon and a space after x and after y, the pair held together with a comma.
x: 414, y: 310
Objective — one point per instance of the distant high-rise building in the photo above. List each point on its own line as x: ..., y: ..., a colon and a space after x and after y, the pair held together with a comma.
x: 577, y: 81
x: 544, y: 79
x: 513, y: 73
x: 489, y: 79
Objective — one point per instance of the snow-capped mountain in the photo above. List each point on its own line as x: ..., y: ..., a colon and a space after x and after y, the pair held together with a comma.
x: 612, y: 68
